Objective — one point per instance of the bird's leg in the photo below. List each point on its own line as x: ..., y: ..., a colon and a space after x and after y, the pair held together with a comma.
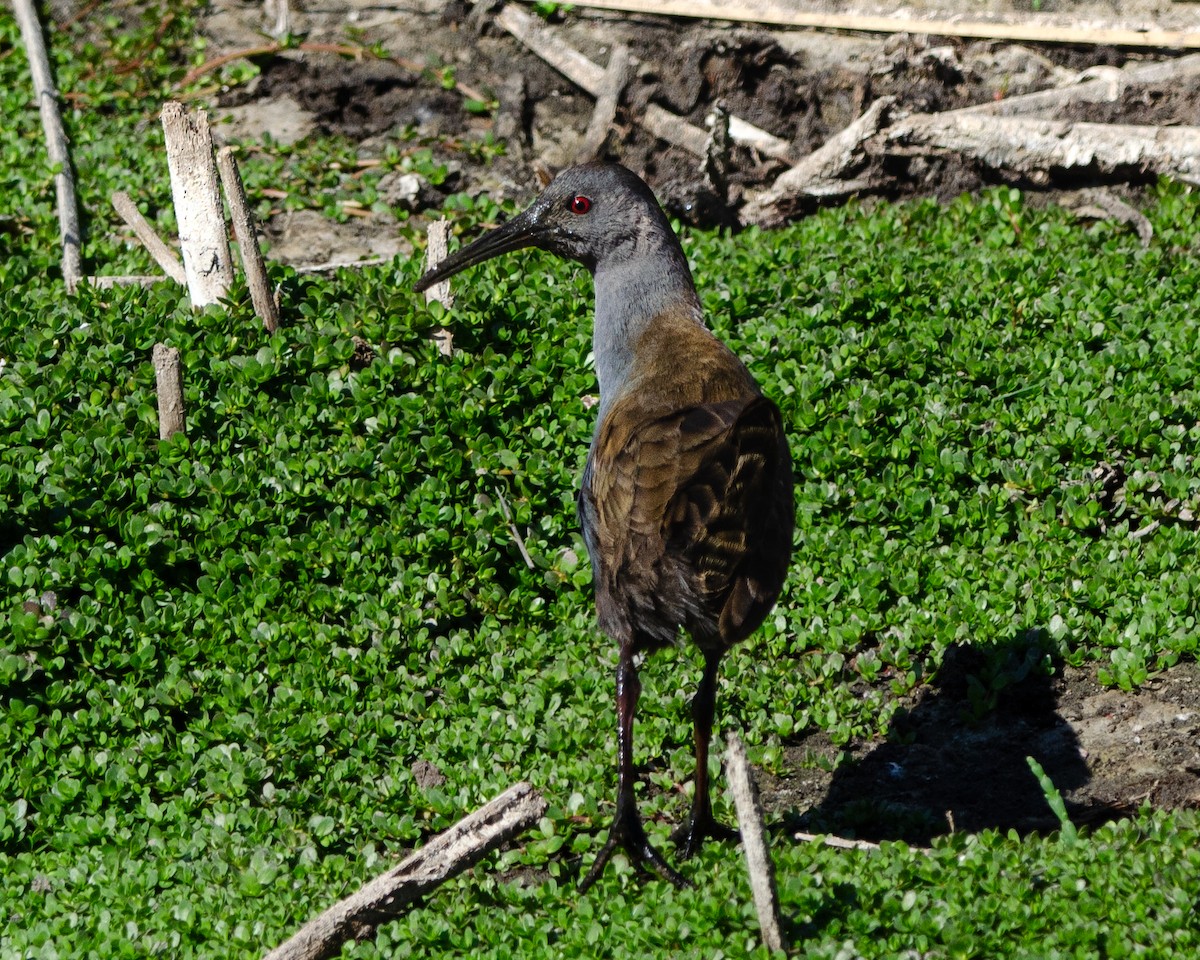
x: 701, y: 823
x: 627, y: 830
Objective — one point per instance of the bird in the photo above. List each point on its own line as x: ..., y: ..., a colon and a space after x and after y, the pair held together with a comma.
x: 686, y: 502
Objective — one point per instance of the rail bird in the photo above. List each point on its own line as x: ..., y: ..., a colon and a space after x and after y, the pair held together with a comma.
x: 686, y: 500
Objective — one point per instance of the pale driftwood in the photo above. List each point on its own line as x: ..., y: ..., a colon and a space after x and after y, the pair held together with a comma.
x: 754, y: 843
x: 206, y: 258
x: 820, y: 173
x: 617, y: 77
x: 1034, y: 147
x: 389, y: 895
x: 785, y: 13
x: 247, y: 238
x: 436, y: 247
x: 56, y: 141
x: 1103, y: 90
x: 583, y: 73
x: 163, y: 255
x: 168, y: 375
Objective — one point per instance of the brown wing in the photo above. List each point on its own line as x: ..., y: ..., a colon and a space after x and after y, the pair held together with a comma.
x: 688, y: 520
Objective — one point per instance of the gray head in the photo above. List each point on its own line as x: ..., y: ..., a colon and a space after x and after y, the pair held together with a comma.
x: 598, y: 214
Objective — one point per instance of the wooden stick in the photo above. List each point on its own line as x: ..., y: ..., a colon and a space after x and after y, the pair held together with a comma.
x: 754, y: 843
x: 56, y: 141
x: 247, y: 238
x: 168, y: 375
x: 821, y: 169
x: 206, y: 259
x: 163, y: 255
x: 612, y: 89
x: 583, y: 73
x: 389, y: 895
x: 784, y: 14
x: 436, y: 248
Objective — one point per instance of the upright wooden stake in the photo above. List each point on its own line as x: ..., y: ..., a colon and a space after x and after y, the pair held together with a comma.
x: 754, y: 842
x: 206, y: 259
x: 168, y: 374
x: 437, y: 247
x: 247, y: 238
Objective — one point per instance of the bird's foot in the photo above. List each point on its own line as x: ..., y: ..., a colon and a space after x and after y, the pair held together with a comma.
x: 628, y: 833
x: 689, y: 837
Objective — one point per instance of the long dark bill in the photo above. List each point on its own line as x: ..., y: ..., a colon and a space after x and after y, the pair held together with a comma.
x: 521, y: 231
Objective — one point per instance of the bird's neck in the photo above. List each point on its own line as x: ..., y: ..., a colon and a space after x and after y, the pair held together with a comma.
x: 631, y: 297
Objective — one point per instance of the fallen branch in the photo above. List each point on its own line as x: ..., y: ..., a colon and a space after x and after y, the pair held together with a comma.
x: 56, y: 141
x: 1033, y: 147
x: 819, y: 174
x: 754, y: 844
x: 163, y: 255
x: 783, y: 13
x: 662, y: 123
x: 387, y: 896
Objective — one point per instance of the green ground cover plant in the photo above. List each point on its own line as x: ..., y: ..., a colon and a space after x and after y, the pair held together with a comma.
x: 223, y: 655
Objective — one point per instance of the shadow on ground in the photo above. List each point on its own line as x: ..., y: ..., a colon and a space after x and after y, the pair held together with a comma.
x: 956, y: 760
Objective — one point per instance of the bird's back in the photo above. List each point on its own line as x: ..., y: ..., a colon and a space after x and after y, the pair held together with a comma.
x: 686, y: 503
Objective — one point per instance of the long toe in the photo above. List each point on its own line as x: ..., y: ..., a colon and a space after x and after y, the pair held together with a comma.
x: 628, y: 834
x: 689, y: 837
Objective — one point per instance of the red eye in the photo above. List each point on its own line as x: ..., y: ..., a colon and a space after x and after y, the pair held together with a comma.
x: 580, y: 205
